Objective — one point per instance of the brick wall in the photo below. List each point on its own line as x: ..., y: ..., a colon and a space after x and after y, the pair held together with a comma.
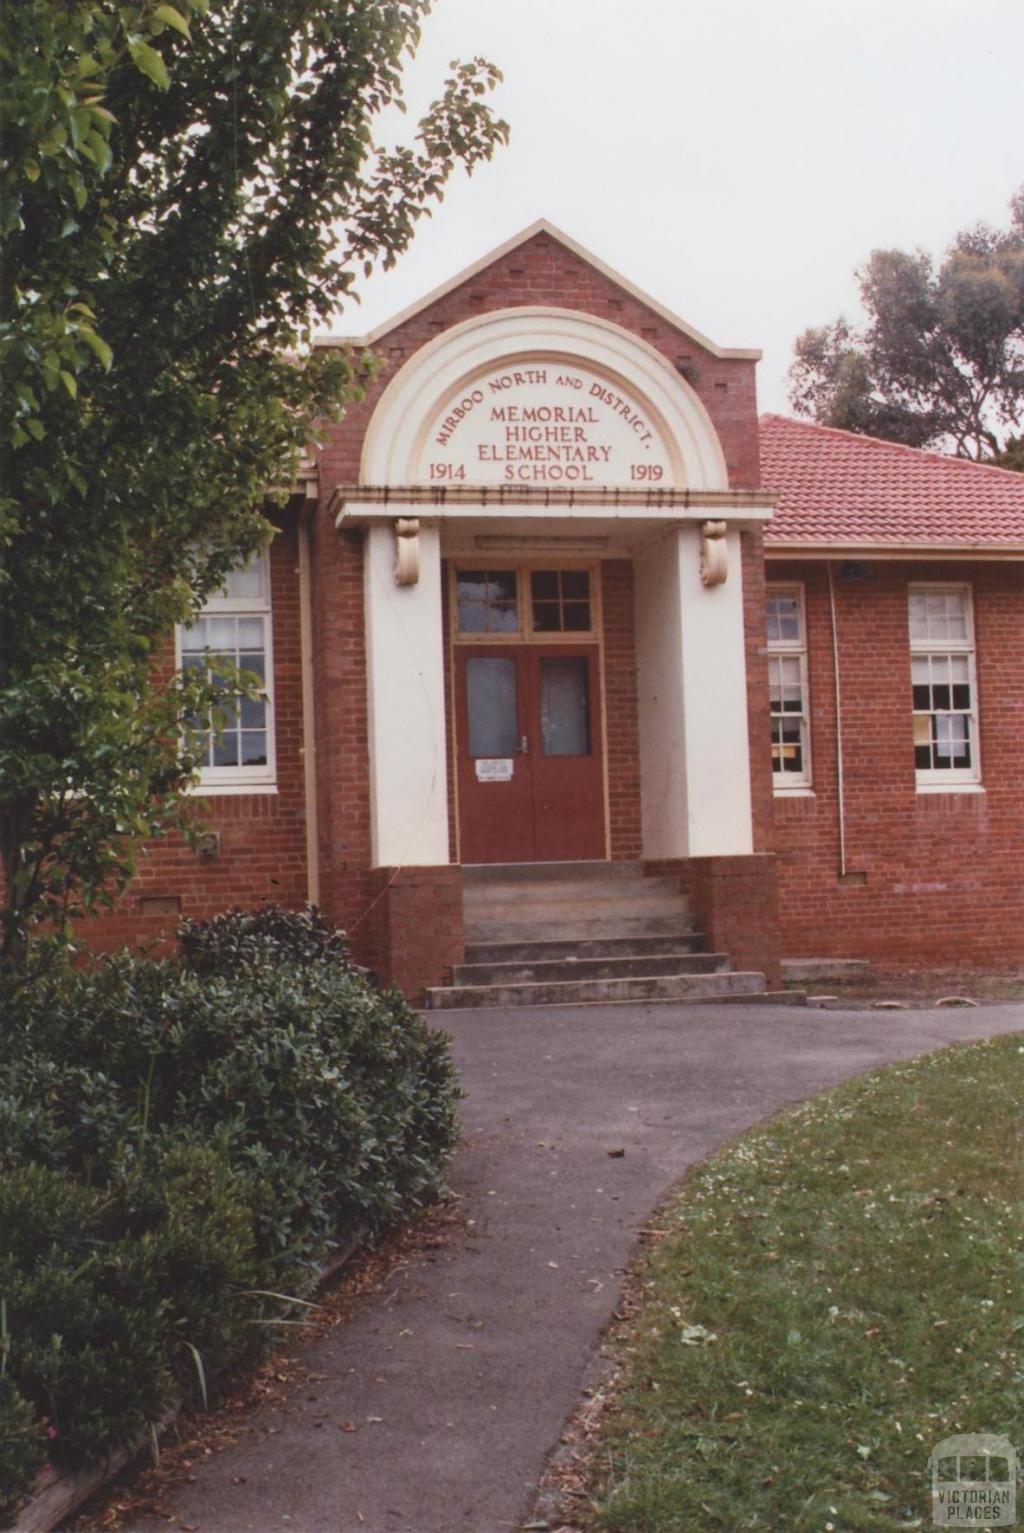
x: 262, y: 836
x: 930, y: 876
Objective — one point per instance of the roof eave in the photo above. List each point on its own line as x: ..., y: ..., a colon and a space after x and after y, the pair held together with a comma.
x: 872, y: 549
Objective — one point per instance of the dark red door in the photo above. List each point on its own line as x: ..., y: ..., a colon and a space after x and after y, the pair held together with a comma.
x: 531, y: 784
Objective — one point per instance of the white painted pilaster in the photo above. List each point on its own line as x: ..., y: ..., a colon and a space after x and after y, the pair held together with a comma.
x: 691, y: 665
x: 405, y: 685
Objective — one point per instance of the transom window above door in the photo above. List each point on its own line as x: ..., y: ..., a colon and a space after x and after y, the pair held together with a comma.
x: 523, y: 603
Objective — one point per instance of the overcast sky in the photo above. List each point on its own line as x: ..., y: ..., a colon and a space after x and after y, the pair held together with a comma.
x: 736, y: 159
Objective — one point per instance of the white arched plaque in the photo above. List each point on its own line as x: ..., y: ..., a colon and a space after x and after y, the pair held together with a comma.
x: 539, y: 399
x: 541, y: 421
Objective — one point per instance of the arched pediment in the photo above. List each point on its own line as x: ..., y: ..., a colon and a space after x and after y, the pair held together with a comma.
x: 541, y: 397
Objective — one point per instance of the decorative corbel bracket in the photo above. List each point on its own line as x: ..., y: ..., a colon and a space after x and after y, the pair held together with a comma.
x: 407, y: 551
x: 714, y: 554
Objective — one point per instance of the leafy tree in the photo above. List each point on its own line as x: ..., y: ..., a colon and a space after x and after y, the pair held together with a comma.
x: 940, y: 360
x: 186, y: 192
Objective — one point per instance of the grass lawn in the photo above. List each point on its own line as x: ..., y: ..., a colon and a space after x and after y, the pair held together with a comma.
x: 833, y: 1295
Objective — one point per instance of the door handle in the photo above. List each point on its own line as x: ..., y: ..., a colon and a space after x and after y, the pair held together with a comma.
x: 524, y: 746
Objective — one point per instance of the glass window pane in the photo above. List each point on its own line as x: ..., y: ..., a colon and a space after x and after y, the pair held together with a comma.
x: 564, y: 707
x: 472, y: 586
x: 576, y: 617
x: 225, y: 750
x: 918, y: 616
x: 225, y: 716
x: 576, y: 585
x: 250, y: 633
x: 544, y: 585
x: 253, y: 713
x: 253, y: 665
x: 220, y: 633
x: 503, y: 618
x: 472, y: 617
x: 487, y: 601
x: 246, y: 584
x: 254, y: 748
x: 193, y: 637
x: 491, y: 706
x: 545, y: 616
x: 501, y: 585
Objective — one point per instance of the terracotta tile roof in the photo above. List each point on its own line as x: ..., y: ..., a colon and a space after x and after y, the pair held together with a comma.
x: 838, y: 488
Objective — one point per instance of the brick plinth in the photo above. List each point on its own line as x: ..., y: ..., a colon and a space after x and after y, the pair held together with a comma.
x: 735, y: 903
x: 418, y: 926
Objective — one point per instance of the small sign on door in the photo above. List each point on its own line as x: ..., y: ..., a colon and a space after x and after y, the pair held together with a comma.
x: 494, y: 769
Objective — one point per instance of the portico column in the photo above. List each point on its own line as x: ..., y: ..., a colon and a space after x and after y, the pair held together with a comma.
x: 691, y: 664
x: 405, y: 684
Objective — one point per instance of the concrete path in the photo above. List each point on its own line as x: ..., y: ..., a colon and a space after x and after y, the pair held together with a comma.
x: 460, y: 1381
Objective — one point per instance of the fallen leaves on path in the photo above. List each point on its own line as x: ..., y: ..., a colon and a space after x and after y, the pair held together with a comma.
x: 146, y: 1491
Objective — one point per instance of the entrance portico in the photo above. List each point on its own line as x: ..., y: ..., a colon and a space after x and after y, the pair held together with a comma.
x: 534, y: 441
x: 516, y: 465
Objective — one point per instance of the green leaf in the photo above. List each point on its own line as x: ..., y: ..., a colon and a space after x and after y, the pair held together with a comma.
x: 55, y: 140
x: 35, y: 428
x: 70, y: 382
x: 172, y: 18
x: 32, y: 170
x: 98, y: 345
x: 149, y: 61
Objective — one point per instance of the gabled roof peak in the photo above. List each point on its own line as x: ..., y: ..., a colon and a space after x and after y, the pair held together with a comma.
x: 542, y: 226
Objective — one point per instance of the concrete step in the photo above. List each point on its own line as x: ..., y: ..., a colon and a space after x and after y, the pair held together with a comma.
x: 674, y: 987
x: 589, y: 891
x: 588, y: 968
x: 756, y: 998
x: 570, y: 928
x: 574, y: 918
x: 600, y: 947
x: 481, y: 873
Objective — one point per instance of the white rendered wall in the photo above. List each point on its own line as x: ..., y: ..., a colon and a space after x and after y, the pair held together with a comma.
x: 691, y: 669
x: 405, y: 684
x: 659, y: 664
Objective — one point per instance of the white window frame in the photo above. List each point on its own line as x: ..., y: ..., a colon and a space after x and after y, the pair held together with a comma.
x: 948, y: 779
x: 262, y: 778
x: 792, y: 782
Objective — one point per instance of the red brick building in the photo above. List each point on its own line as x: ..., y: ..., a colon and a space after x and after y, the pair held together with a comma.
x: 554, y: 595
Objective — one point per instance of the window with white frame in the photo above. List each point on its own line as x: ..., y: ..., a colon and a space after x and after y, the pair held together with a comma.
x: 943, y: 685
x: 237, y: 749
x: 787, y: 687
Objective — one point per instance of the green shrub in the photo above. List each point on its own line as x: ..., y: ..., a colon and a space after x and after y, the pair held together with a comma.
x: 338, y: 1098
x: 241, y: 938
x: 111, y: 1295
x: 22, y: 1449
x: 180, y: 1139
x: 84, y: 1336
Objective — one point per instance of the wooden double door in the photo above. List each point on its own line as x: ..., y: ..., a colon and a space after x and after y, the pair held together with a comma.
x: 530, y: 768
